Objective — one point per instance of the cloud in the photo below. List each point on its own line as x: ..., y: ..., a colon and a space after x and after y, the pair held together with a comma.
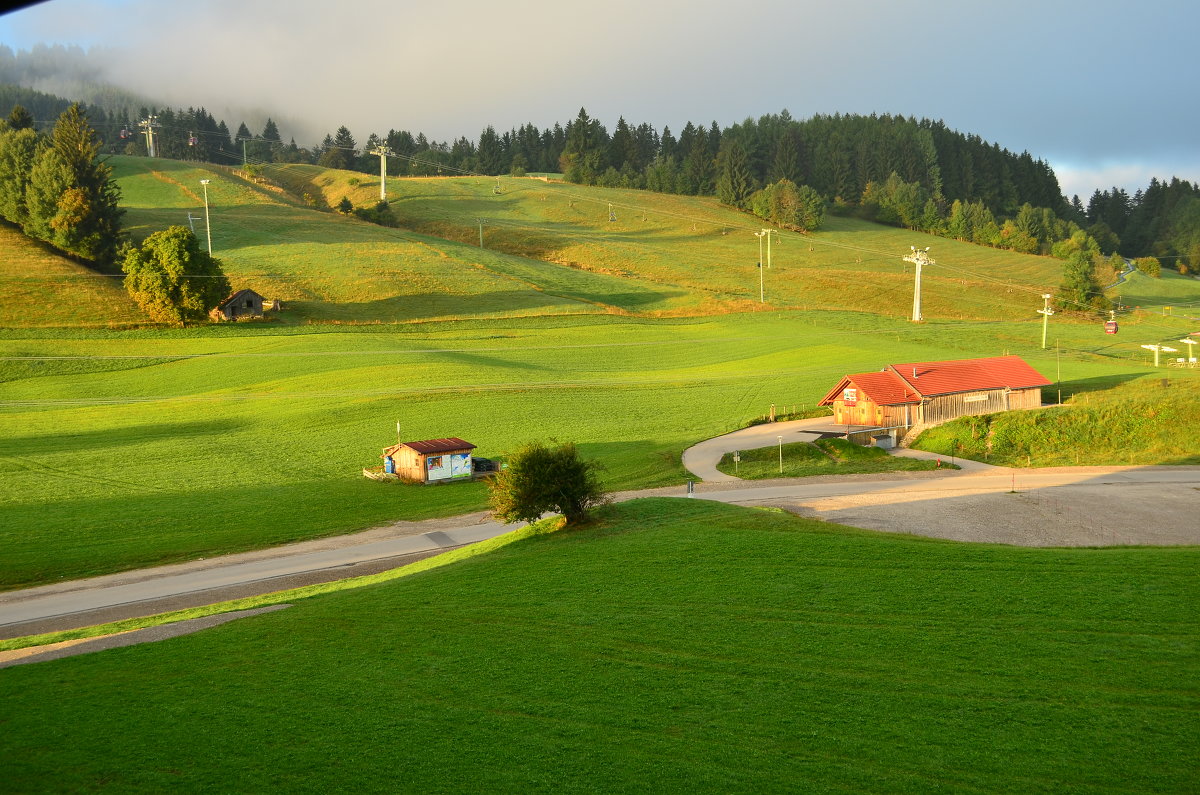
x: 1069, y: 82
x: 1084, y: 180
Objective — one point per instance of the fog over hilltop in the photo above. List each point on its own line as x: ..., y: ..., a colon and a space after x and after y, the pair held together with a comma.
x: 1100, y: 90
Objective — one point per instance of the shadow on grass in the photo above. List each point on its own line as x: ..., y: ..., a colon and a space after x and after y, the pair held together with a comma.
x: 1082, y: 385
x: 118, y: 437
x: 421, y: 306
x: 89, y: 536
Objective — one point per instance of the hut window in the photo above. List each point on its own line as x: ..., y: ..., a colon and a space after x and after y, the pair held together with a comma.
x: 249, y: 304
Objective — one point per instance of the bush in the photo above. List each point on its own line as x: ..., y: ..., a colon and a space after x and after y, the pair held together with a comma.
x: 540, y: 479
x: 380, y: 214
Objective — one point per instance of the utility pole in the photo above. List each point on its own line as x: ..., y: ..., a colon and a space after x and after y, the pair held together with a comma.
x: 918, y: 257
x: 382, y: 152
x: 207, y: 226
x: 760, y: 236
x: 1045, y: 312
x: 148, y: 124
x: 481, y: 222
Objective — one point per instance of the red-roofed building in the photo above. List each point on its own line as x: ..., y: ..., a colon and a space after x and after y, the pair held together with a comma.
x: 926, y: 393
x: 430, y: 460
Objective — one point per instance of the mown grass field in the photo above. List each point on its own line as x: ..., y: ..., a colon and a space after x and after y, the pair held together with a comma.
x: 1143, y: 422
x: 800, y: 655
x: 122, y: 449
x: 824, y: 457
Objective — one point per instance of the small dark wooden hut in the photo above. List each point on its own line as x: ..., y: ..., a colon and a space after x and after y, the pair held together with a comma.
x: 242, y: 304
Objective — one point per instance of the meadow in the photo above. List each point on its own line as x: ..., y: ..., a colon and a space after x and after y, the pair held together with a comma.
x: 123, y: 444
x: 800, y: 655
x: 699, y: 253
x: 122, y: 449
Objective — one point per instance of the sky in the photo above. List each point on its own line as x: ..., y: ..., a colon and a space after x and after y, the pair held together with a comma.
x: 1105, y: 92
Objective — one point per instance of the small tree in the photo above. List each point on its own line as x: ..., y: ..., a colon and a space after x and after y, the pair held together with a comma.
x: 541, y: 479
x: 172, y: 279
x: 1149, y: 266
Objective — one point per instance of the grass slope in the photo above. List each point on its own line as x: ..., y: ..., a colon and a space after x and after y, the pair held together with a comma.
x: 697, y: 247
x: 677, y: 645
x: 1136, y: 423
x: 39, y: 288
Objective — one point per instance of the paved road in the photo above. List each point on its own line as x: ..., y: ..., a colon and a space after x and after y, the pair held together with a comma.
x: 148, y: 591
x: 702, y: 459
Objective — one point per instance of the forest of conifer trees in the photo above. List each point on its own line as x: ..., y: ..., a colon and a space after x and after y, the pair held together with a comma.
x: 898, y: 170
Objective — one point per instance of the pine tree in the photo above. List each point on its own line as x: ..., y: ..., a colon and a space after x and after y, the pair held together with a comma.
x: 18, y: 150
x: 20, y: 119
x: 71, y: 200
x: 734, y: 184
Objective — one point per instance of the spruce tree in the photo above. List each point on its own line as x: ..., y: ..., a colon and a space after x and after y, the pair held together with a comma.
x: 734, y: 184
x: 18, y: 149
x: 20, y: 119
x: 71, y: 199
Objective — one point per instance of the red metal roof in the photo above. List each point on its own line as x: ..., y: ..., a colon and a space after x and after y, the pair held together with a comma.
x: 968, y: 375
x: 448, y: 445
x: 883, y: 388
x: 898, y: 385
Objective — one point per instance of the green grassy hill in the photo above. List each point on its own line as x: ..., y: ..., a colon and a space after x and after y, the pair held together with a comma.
x: 127, y: 448
x: 695, y: 245
x: 550, y: 248
x: 1144, y: 422
x: 39, y: 288
x: 798, y: 655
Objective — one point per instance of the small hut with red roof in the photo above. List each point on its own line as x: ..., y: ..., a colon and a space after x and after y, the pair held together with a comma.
x: 902, y: 396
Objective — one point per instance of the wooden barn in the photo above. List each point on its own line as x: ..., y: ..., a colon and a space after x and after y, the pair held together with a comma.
x: 430, y: 460
x: 903, y: 396
x: 242, y: 304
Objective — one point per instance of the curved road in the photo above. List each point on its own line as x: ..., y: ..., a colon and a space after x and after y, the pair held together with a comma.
x: 1041, y: 507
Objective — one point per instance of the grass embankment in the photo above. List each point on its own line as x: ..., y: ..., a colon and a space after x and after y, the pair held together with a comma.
x: 676, y: 645
x: 823, y: 457
x: 1137, y: 423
